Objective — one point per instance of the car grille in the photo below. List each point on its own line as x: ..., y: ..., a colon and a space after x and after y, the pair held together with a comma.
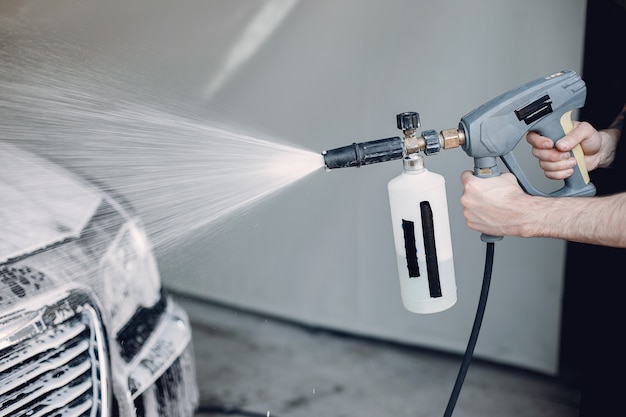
x: 53, y: 360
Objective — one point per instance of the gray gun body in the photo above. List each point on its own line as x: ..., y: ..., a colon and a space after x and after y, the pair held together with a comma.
x: 496, y: 127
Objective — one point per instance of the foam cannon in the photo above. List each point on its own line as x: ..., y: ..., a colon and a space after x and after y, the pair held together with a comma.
x: 419, y: 211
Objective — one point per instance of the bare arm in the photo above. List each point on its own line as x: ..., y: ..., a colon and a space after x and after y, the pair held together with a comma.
x: 593, y: 220
x: 618, y: 123
x: 498, y: 206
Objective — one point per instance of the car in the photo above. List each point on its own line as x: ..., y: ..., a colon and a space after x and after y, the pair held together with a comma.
x: 86, y: 327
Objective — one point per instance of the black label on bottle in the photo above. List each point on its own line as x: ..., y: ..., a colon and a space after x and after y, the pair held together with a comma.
x: 410, y: 248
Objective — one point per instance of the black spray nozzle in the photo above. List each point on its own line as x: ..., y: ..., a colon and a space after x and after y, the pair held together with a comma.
x: 364, y: 153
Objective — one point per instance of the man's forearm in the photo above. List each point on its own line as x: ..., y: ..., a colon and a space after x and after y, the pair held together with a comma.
x: 593, y: 220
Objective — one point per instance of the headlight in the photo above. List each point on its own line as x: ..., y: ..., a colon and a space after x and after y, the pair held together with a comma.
x: 130, y: 274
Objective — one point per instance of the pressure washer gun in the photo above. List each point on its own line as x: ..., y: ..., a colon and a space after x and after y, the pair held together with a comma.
x: 491, y: 131
x: 419, y: 211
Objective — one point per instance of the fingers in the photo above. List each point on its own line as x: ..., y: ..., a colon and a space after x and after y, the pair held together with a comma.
x: 539, y: 142
x: 488, y: 203
x: 557, y: 163
x: 470, y: 181
x: 580, y: 132
x: 466, y: 176
x: 558, y: 170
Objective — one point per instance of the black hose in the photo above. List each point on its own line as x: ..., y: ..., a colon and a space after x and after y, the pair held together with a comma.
x: 471, y: 344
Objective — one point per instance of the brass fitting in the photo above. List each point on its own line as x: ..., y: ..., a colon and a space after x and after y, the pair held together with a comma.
x: 430, y: 142
x: 452, y: 138
x: 412, y: 142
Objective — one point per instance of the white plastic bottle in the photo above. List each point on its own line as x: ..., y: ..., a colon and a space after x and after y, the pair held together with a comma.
x: 421, y: 230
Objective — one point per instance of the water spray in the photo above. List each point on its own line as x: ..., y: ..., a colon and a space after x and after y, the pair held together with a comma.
x: 417, y: 197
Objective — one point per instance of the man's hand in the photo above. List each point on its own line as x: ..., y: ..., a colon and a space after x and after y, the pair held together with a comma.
x: 496, y: 206
x: 557, y: 162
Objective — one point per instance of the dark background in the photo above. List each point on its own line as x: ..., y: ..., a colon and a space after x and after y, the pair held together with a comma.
x: 594, y: 276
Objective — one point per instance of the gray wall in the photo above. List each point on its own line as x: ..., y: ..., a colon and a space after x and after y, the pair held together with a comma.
x: 327, y: 74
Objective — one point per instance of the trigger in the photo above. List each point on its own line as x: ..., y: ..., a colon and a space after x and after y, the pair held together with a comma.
x: 566, y: 122
x: 578, y: 153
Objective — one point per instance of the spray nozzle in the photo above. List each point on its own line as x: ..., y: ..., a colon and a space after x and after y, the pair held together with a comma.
x: 381, y: 150
x: 364, y: 153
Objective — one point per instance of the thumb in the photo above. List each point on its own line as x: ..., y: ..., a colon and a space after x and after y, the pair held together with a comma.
x: 564, y: 144
x: 465, y: 176
x: 573, y: 137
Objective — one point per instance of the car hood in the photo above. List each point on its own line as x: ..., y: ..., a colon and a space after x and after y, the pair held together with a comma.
x: 41, y: 203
